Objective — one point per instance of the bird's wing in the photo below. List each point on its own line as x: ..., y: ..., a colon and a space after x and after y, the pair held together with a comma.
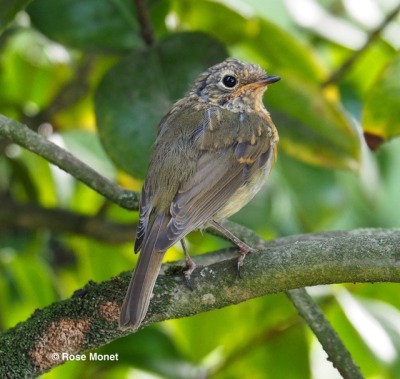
x: 224, y: 165
x: 170, y: 165
x: 144, y: 212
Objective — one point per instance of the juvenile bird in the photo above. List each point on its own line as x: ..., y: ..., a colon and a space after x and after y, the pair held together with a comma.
x: 214, y: 150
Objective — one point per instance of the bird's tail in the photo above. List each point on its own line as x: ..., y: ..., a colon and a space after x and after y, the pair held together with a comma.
x: 140, y: 288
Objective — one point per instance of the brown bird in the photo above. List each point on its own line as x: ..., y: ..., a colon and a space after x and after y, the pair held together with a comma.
x: 213, y: 152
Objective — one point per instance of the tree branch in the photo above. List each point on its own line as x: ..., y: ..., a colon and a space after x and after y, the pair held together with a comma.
x: 146, y: 30
x: 342, y: 70
x: 307, y: 308
x: 23, y: 136
x: 89, y: 317
x: 327, y: 336
x: 35, y: 217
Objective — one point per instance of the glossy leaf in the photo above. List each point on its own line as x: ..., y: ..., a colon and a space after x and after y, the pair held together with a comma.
x: 312, y: 127
x: 259, y: 39
x: 87, y: 24
x: 138, y: 91
x: 381, y: 116
x: 86, y: 146
x: 377, y: 324
x: 282, y: 52
x: 362, y: 76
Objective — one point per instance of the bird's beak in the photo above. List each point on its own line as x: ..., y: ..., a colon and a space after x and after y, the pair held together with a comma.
x: 269, y: 80
x: 264, y: 82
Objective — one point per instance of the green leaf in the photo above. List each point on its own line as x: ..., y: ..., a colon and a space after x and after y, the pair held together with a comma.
x: 213, y: 18
x: 87, y: 24
x: 377, y: 324
x: 381, y: 116
x: 276, y: 49
x: 363, y: 74
x: 8, y: 10
x: 154, y: 351
x: 137, y: 92
x: 86, y: 146
x: 312, y: 127
x: 29, y: 73
x: 43, y: 180
x: 33, y: 278
x: 252, y: 38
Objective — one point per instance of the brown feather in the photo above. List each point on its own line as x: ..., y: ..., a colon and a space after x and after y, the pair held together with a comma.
x: 140, y: 288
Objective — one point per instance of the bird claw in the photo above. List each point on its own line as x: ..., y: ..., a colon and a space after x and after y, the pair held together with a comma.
x: 190, y: 267
x: 244, y: 250
x: 243, y: 247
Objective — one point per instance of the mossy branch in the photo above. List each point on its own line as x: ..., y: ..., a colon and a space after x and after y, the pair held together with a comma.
x: 327, y: 336
x: 34, y: 142
x: 89, y: 317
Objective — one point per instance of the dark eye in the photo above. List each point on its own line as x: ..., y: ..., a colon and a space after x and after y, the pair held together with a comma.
x: 229, y: 81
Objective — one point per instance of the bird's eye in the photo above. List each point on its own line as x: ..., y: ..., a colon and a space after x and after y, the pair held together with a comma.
x: 229, y: 81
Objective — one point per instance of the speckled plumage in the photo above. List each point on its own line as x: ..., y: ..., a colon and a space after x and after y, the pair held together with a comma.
x: 213, y: 151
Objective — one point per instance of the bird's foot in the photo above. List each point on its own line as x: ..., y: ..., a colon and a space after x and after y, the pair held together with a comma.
x: 190, y: 267
x: 244, y: 250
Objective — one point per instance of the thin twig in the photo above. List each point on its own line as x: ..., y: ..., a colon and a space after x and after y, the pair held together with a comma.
x: 327, y: 336
x: 23, y: 136
x: 337, y: 75
x: 146, y: 30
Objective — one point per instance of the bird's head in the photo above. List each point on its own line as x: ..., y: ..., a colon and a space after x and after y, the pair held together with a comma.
x: 233, y: 84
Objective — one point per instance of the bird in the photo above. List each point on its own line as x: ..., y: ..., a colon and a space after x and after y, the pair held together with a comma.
x: 213, y: 151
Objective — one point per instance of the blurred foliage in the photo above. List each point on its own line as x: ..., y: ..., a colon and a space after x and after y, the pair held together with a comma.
x: 382, y: 111
x: 69, y: 67
x: 8, y: 10
x: 88, y: 25
x: 139, y: 90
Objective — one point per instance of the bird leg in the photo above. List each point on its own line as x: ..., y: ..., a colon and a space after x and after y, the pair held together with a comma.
x: 243, y: 247
x: 190, y: 264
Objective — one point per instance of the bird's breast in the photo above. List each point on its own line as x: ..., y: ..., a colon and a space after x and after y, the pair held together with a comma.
x: 248, y: 190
